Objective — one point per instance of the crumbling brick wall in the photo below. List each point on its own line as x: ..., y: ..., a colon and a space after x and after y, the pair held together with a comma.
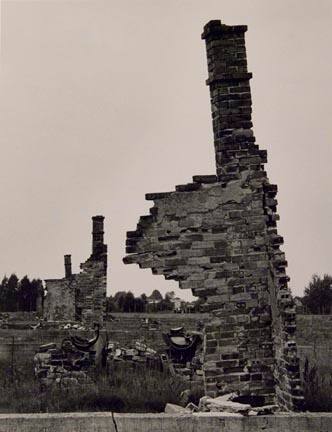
x: 81, y: 296
x: 59, y: 304
x: 218, y: 237
x: 91, y: 291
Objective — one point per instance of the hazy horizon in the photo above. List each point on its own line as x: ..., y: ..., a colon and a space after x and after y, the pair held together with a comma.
x: 104, y: 101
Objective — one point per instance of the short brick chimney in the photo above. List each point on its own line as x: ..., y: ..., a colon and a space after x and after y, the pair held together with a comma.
x: 68, y: 271
x: 97, y: 235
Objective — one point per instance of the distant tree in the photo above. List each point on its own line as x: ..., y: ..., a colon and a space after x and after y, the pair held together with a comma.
x: 139, y: 304
x: 12, y: 293
x: 170, y: 295
x: 3, y: 294
x: 126, y: 302
x: 123, y: 301
x: 129, y: 302
x: 119, y: 294
x: 9, y: 294
x: 119, y: 299
x: 24, y: 294
x: 111, y: 305
x: 156, y: 295
x: 16, y: 295
x: 317, y: 297
x: 166, y: 304
x: 36, y: 290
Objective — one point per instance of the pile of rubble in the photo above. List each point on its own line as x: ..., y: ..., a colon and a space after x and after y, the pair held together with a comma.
x: 190, y: 371
x: 183, y: 355
x: 225, y: 404
x: 53, y: 365
x: 71, y: 326
x: 68, y: 364
x: 139, y: 354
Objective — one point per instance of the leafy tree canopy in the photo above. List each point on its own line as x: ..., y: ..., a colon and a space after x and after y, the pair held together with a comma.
x: 20, y: 295
x: 318, y: 295
x: 156, y: 295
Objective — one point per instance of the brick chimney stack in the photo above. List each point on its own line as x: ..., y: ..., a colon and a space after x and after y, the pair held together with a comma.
x: 98, y: 235
x: 68, y: 271
x: 231, y: 101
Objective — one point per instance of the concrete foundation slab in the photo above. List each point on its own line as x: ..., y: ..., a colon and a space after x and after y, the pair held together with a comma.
x: 207, y: 422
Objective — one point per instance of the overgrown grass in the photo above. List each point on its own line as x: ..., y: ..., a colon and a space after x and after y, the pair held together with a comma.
x: 127, y: 389
x: 317, y: 387
x: 122, y: 390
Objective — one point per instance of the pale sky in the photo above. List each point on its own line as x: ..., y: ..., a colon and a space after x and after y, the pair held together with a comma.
x: 102, y: 101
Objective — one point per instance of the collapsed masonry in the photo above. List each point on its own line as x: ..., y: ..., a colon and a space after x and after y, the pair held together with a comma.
x: 218, y: 236
x: 81, y: 296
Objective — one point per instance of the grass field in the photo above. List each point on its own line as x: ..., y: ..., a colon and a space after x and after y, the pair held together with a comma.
x: 123, y: 389
x: 126, y: 389
x: 317, y: 387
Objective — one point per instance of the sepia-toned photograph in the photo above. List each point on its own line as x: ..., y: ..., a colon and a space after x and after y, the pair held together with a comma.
x: 165, y: 227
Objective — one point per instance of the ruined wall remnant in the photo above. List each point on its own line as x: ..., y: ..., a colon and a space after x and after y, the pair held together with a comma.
x: 59, y: 303
x: 81, y: 296
x: 218, y: 237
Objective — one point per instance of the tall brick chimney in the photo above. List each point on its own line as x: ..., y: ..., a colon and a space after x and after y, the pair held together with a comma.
x: 68, y: 271
x: 231, y: 101
x: 97, y: 235
x: 221, y: 241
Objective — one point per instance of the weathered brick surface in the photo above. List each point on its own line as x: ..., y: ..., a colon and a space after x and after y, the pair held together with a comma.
x: 218, y: 237
x: 59, y: 303
x: 81, y: 296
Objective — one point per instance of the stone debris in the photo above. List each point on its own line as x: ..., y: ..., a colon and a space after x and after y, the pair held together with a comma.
x: 139, y: 354
x: 186, y: 364
x: 223, y: 404
x: 68, y: 364
x: 228, y: 404
x: 70, y: 326
x: 176, y: 409
x: 54, y: 366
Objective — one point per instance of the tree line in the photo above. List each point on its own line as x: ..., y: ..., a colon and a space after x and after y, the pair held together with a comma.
x: 317, y: 299
x: 125, y: 301
x: 20, y: 294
